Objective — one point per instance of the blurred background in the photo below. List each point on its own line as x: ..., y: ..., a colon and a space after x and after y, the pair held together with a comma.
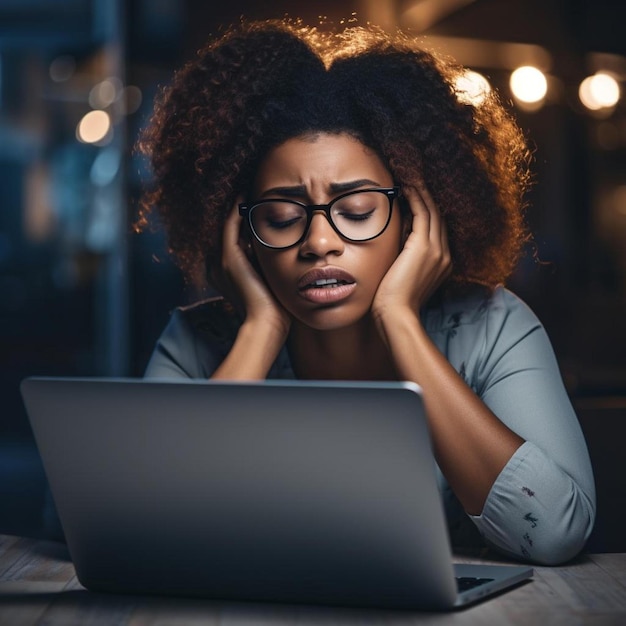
x: 82, y: 295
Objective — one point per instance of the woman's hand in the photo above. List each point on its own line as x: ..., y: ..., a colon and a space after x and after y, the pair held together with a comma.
x: 246, y: 288
x: 423, y: 264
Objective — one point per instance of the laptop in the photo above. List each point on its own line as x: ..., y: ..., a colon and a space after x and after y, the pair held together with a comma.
x: 284, y: 491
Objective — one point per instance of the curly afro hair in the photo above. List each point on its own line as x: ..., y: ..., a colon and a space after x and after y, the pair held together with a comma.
x: 261, y: 83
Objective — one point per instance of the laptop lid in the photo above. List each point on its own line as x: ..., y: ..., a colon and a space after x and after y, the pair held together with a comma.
x: 292, y: 491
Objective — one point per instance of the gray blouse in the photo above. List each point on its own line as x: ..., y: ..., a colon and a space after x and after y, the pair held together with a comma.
x: 541, y: 507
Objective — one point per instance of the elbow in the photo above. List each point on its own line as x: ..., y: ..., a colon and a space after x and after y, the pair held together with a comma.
x: 550, y: 536
x: 538, y: 513
x: 559, y: 550
x: 567, y: 536
x: 566, y: 540
x: 549, y: 549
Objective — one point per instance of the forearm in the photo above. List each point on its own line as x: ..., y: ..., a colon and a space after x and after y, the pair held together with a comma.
x: 471, y: 444
x: 253, y: 352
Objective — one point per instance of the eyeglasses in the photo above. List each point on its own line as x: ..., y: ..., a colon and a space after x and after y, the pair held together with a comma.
x: 357, y: 216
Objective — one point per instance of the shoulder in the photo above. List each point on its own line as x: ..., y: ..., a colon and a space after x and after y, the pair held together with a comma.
x: 209, y: 325
x: 213, y: 319
x: 476, y: 327
x: 195, y: 340
x: 198, y: 338
x: 468, y: 308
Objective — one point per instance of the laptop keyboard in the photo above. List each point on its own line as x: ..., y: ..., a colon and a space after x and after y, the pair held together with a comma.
x: 464, y: 583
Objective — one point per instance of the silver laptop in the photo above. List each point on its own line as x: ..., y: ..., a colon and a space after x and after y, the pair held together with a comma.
x: 283, y: 491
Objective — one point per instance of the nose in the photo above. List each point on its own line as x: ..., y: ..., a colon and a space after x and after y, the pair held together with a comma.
x: 321, y: 238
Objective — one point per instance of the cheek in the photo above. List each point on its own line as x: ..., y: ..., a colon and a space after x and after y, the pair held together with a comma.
x: 379, y: 264
x: 391, y: 246
x: 374, y: 263
x: 275, y: 269
x: 387, y: 254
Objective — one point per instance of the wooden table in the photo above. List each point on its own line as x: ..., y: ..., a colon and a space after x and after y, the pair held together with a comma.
x: 38, y: 586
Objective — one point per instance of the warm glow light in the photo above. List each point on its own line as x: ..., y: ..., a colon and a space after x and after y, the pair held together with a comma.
x: 528, y: 84
x: 600, y: 91
x: 105, y: 93
x: 472, y: 87
x: 94, y: 127
x: 619, y: 200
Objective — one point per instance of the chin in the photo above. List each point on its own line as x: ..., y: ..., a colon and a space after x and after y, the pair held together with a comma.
x: 329, y: 318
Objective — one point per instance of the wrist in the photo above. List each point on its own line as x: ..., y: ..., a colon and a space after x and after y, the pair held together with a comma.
x: 393, y: 323
x: 390, y: 315
x: 266, y: 328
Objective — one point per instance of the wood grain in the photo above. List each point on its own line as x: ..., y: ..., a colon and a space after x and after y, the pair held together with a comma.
x: 38, y: 586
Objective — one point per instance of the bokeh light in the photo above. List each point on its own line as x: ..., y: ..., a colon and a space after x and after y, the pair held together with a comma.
x: 472, y: 87
x: 105, y: 93
x: 528, y: 84
x: 94, y: 127
x: 600, y: 91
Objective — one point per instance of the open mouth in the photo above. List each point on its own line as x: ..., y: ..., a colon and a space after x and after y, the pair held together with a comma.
x: 325, y: 278
x: 326, y: 283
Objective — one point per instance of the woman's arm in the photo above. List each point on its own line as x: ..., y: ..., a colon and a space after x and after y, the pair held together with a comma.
x: 471, y: 444
x: 266, y: 324
x: 250, y: 348
x: 542, y: 506
x: 476, y: 438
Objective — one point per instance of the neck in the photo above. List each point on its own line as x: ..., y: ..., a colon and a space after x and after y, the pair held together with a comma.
x: 353, y: 353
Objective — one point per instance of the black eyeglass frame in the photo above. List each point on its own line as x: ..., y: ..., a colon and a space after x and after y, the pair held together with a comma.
x: 245, y: 210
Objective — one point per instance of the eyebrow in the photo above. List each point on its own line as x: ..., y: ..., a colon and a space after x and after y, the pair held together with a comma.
x: 300, y: 191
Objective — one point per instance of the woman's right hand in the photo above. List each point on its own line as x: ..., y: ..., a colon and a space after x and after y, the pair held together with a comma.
x: 246, y: 288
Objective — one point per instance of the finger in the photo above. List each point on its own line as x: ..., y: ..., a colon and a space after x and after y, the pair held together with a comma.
x: 436, y: 222
x: 438, y: 233
x: 439, y: 225
x: 440, y: 237
x: 445, y: 245
x: 416, y: 201
x: 422, y: 189
x: 421, y: 215
x: 431, y: 217
x: 232, y: 224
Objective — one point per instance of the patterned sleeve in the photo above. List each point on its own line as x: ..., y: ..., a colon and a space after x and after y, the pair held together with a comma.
x: 541, y: 507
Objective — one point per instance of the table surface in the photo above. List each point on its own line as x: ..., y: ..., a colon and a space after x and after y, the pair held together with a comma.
x: 38, y: 585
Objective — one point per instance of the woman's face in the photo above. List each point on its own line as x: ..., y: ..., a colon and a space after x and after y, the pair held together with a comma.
x: 325, y: 281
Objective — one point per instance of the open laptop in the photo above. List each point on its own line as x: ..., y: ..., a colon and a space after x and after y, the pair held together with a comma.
x: 289, y: 491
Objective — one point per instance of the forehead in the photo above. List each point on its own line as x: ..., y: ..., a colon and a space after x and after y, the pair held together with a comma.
x: 320, y: 159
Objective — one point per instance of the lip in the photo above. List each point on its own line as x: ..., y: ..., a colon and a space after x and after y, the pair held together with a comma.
x: 319, y: 294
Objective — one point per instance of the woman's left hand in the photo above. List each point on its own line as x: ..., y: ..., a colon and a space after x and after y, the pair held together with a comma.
x: 423, y: 264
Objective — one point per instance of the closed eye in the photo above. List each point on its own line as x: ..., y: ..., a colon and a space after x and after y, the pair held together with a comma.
x: 356, y: 217
x: 282, y: 224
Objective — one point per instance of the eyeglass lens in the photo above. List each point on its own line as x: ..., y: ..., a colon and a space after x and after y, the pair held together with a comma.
x: 357, y: 216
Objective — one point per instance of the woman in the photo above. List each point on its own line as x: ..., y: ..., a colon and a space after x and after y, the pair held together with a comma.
x: 359, y: 218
